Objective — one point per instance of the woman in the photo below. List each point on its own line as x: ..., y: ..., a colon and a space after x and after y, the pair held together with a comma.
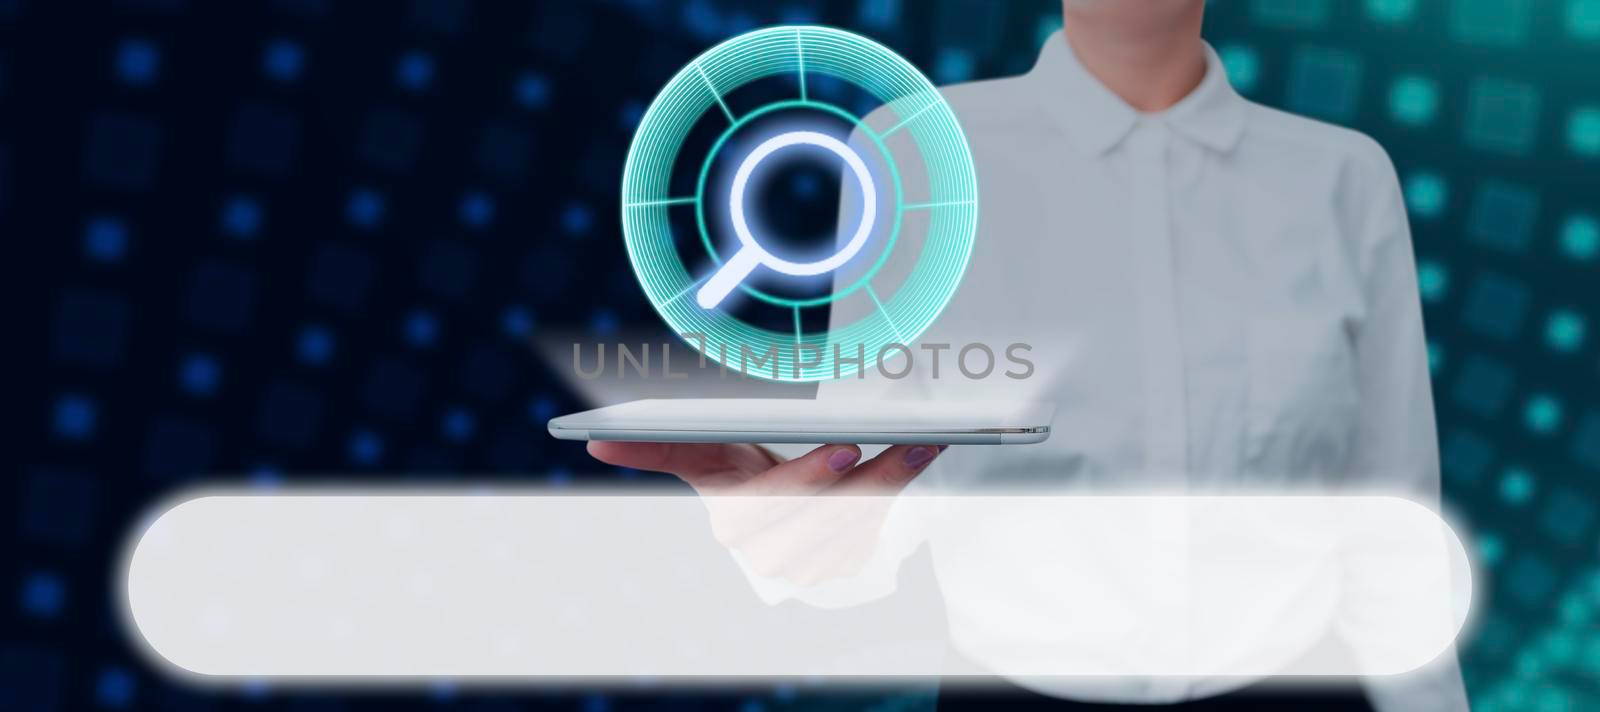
x: 1220, y: 296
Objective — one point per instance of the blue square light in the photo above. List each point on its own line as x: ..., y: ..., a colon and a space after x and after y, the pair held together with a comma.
x: 241, y: 217
x: 105, y: 239
x: 43, y: 595
x: 283, y: 60
x: 138, y: 62
x: 314, y: 346
x: 1413, y: 100
x: 75, y: 417
x: 414, y: 71
x: 199, y: 375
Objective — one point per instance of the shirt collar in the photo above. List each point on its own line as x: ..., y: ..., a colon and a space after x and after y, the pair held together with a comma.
x: 1096, y: 119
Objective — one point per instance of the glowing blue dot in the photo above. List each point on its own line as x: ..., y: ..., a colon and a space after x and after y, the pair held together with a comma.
x: 43, y: 595
x: 1516, y: 486
x: 365, y: 208
x: 953, y: 64
x: 1564, y: 331
x: 784, y: 692
x: 1542, y: 414
x: 1425, y: 194
x: 477, y: 209
x: 283, y: 60
x: 138, y: 62
x: 199, y: 375
x: 517, y: 322
x: 105, y: 239
x: 414, y: 71
x: 365, y: 447
x: 315, y: 345
x: 421, y: 329
x: 559, y: 477
x: 1413, y: 100
x: 256, y: 689
x: 241, y: 217
x: 458, y: 424
x: 1242, y: 65
x: 577, y: 219
x: 738, y: 23
x: 75, y: 417
x: 115, y: 688
x: 1580, y: 237
x: 603, y: 323
x: 442, y: 690
x: 532, y: 91
x: 265, y: 477
x: 1436, y: 357
x: 542, y: 409
x: 701, y: 18
x: 1583, y: 131
x: 632, y: 111
x: 1433, y: 279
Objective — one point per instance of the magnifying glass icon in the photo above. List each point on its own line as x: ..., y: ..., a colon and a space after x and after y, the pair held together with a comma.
x: 751, y: 254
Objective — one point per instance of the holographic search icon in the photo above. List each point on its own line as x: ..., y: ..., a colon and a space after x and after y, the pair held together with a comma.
x: 783, y: 89
x: 751, y: 254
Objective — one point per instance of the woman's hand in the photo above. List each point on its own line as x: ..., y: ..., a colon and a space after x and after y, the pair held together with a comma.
x: 763, y: 507
x: 743, y: 469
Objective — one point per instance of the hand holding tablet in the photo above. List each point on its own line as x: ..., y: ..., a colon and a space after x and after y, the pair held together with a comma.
x: 779, y: 420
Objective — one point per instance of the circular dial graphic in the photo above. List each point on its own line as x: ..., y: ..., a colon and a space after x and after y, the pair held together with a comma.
x: 709, y: 257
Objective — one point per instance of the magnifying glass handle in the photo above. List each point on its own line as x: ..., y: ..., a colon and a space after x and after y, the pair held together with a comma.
x: 729, y: 276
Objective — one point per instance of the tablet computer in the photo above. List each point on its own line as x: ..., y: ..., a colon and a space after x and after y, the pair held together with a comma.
x: 793, y: 420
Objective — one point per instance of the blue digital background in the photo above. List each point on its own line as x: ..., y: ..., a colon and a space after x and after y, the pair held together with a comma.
x: 270, y: 241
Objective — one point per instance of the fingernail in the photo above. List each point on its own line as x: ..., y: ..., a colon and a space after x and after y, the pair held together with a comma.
x: 918, y: 456
x: 842, y: 459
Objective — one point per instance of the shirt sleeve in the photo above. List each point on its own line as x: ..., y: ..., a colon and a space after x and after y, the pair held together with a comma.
x: 1396, y: 449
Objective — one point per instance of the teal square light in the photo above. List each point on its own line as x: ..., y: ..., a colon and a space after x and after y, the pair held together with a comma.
x: 1483, y: 387
x: 1502, y: 115
x: 1324, y: 83
x: 1497, y: 305
x: 1580, y: 238
x: 1391, y: 11
x: 1516, y: 486
x: 1426, y: 194
x: 1436, y: 357
x: 1433, y: 280
x: 1242, y: 65
x: 1583, y: 19
x: 1497, y: 23
x: 1583, y: 131
x: 1491, y: 548
x: 1503, y: 216
x: 1413, y: 100
x: 1567, y: 517
x: 1564, y: 330
x: 1292, y: 14
x: 1531, y: 579
x: 1576, y: 609
x: 1542, y: 413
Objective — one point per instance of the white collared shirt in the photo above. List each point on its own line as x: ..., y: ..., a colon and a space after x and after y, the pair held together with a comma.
x: 1219, y: 296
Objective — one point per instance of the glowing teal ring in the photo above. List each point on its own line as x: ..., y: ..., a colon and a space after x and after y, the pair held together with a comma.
x: 922, y: 112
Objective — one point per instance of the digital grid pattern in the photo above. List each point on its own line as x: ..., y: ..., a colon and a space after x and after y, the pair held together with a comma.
x: 271, y: 241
